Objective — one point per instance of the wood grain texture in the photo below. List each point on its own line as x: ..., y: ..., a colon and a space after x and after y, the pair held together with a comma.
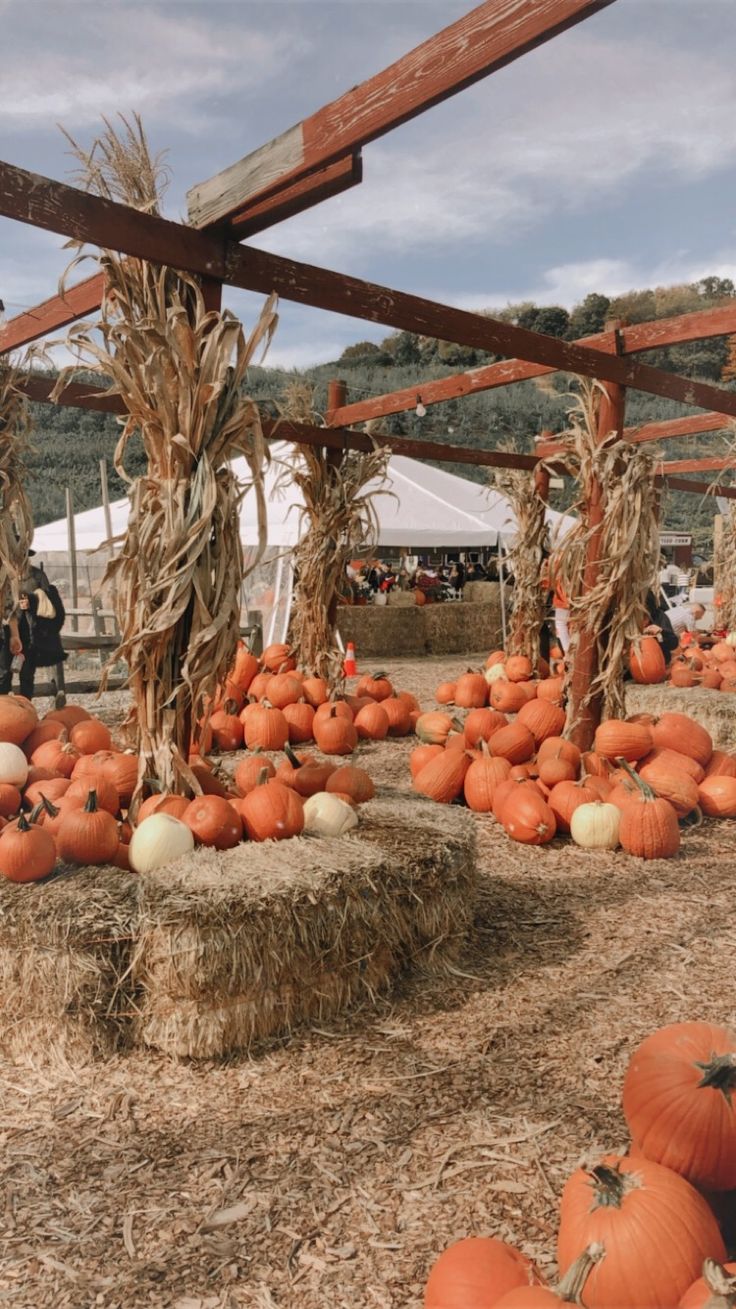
x: 487, y: 38
x: 60, y: 208
x: 707, y: 464
x: 58, y: 311
x: 698, y: 326
x: 324, y: 185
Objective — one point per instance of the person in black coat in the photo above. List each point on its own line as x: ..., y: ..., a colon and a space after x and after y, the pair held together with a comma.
x: 660, y: 626
x: 41, y: 619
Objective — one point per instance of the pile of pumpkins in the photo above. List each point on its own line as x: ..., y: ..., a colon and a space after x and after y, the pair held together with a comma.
x: 644, y: 776
x: 267, y: 702
x: 640, y: 1230
x: 65, y: 793
x: 690, y: 665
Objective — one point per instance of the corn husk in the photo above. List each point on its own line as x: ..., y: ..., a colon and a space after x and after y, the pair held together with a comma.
x: 527, y: 557
x: 180, y: 371
x: 339, y: 518
x: 612, y: 612
x: 16, y: 523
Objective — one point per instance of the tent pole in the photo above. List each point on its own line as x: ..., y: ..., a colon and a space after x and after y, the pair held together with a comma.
x: 268, y: 639
x: 72, y: 547
x: 502, y: 590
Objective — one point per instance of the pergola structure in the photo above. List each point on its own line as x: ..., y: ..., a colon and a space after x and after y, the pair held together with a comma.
x: 321, y: 157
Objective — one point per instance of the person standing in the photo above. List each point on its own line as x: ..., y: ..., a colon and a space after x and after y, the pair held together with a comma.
x: 41, y: 620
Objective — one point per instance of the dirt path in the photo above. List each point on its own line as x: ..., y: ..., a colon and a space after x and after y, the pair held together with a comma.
x: 331, y: 1168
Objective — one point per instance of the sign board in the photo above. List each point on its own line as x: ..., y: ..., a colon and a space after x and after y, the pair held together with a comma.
x: 675, y: 538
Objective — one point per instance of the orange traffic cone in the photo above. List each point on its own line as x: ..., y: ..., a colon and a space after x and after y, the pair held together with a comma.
x: 350, y: 668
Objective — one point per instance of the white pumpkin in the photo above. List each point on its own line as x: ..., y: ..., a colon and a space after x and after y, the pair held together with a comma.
x: 595, y: 826
x: 495, y: 673
x: 327, y: 815
x: 158, y: 841
x: 13, y: 765
x: 731, y: 639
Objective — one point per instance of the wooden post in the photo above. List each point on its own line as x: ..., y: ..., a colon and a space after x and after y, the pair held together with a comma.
x: 337, y: 396
x: 211, y: 290
x: 587, y: 717
x: 108, y: 530
x: 541, y: 474
x: 72, y: 542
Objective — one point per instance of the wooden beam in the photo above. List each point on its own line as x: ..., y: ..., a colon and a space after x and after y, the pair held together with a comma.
x: 82, y: 396
x: 700, y: 325
x: 711, y: 463
x: 667, y: 429
x: 487, y: 38
x: 324, y: 185
x: 59, y: 208
x: 58, y: 311
x: 699, y: 488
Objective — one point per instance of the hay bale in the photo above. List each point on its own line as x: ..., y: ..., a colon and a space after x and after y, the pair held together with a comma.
x: 713, y: 709
x: 451, y: 628
x: 65, y: 949
x: 481, y: 593
x: 401, y: 599
x: 244, y: 945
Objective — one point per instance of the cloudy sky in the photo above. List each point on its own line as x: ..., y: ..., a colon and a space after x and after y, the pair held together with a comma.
x: 601, y: 161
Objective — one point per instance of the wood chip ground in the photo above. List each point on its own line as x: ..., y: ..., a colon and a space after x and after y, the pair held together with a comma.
x: 331, y: 1169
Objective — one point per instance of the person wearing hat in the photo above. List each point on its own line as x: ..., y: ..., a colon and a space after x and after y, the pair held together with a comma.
x: 41, y: 618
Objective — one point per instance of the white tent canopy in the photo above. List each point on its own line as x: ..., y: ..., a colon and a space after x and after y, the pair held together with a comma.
x: 422, y: 508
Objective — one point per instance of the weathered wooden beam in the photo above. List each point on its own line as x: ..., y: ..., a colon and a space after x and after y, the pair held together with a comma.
x: 667, y: 429
x: 710, y: 463
x: 58, y: 311
x: 699, y: 488
x: 82, y: 396
x: 59, y: 208
x: 700, y: 325
x: 487, y: 38
x: 324, y: 185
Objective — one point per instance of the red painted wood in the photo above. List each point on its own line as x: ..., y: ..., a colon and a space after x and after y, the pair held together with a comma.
x: 699, y: 488
x: 711, y: 463
x: 487, y: 38
x: 703, y: 324
x: 59, y: 208
x: 666, y: 429
x: 310, y: 191
x: 58, y: 311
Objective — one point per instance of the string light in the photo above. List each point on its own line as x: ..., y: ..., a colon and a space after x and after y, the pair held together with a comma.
x: 420, y: 409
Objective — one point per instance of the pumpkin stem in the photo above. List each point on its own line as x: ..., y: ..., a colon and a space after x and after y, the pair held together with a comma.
x: 643, y: 786
x: 44, y: 806
x: 293, y: 758
x: 572, y: 1285
x: 719, y: 1283
x: 610, y: 1186
x: 23, y: 824
x: 60, y: 700
x: 262, y: 777
x: 91, y: 805
x: 720, y: 1073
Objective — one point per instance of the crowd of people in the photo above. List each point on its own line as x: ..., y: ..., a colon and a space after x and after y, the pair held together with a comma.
x: 438, y: 582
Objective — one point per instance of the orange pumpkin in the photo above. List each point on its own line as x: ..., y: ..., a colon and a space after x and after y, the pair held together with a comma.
x: 272, y: 812
x: 122, y: 771
x: 17, y: 719
x: 506, y: 789
x: 355, y: 782
x: 475, y: 1272
x: 556, y: 747
x: 445, y: 693
x: 10, y: 800
x: 334, y: 734
x: 258, y: 689
x: 315, y: 691
x: 52, y: 787
x: 553, y: 771
x: 716, y: 1289
x: 213, y: 821
x: 617, y: 740
x: 647, y: 662
x: 90, y: 735
x: 433, y: 728
x: 227, y: 729
x: 58, y: 757
x: 422, y: 755
x: 495, y: 657
x: 528, y: 818
x: 672, y: 784
x: 679, y: 1101
x: 175, y: 805
x: 78, y: 792
x: 552, y: 689
x: 27, y: 852
x: 481, y: 724
x: 565, y: 797
x: 371, y: 722
x: 471, y: 691
x: 304, y: 772
x: 249, y: 770
x: 300, y: 718
x: 278, y: 659
x: 717, y: 798
x: 283, y: 689
x: 45, y: 731
x: 341, y: 708
x: 507, y: 697
x: 720, y: 765
x: 398, y: 714
x: 542, y: 718
x: 266, y: 729
x: 88, y: 835
x: 481, y: 780
x: 680, y: 732
x: 376, y: 685
x: 601, y: 785
x: 640, y: 1213
x: 514, y: 742
x: 442, y: 778
x: 68, y: 715
x: 518, y: 668
x: 649, y: 827
x: 673, y: 759
x: 244, y: 669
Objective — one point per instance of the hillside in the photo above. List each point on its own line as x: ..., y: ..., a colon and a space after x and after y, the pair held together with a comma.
x: 70, y: 443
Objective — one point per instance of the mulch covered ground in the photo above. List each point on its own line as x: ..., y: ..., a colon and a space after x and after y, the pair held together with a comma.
x: 330, y: 1169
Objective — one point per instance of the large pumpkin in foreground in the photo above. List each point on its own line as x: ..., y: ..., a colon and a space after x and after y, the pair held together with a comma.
x: 476, y: 1273
x: 716, y: 1289
x: 656, y: 1231
x: 680, y: 1102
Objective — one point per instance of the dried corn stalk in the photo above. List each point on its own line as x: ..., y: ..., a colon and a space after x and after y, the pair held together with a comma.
x: 724, y: 551
x: 613, y: 611
x: 339, y: 518
x: 179, y: 371
x: 16, y: 524
x: 527, y: 558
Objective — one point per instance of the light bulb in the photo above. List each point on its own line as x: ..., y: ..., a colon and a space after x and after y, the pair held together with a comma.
x: 420, y: 409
